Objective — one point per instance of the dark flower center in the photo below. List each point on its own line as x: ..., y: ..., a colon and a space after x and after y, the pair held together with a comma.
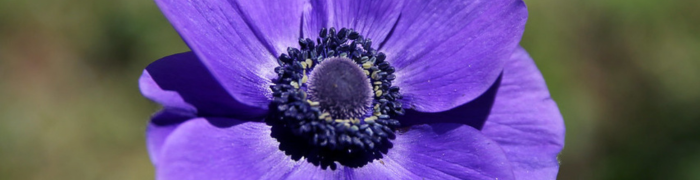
x: 341, y: 88
x: 334, y: 100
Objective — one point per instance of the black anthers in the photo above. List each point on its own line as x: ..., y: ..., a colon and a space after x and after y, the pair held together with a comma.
x: 336, y: 95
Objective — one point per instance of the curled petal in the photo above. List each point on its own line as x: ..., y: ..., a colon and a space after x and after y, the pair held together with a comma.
x: 238, y: 41
x: 168, y: 98
x: 181, y: 82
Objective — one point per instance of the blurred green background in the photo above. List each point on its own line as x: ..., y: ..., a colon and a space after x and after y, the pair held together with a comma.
x: 625, y: 74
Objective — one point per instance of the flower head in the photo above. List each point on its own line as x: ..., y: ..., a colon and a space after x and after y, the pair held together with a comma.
x: 350, y: 89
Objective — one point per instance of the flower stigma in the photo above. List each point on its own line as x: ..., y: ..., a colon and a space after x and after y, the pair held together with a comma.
x: 333, y: 100
x: 341, y: 88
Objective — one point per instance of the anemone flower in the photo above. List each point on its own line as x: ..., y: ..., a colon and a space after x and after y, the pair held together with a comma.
x: 415, y: 89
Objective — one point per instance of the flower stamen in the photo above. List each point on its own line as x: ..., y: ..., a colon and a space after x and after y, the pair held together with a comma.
x: 337, y: 95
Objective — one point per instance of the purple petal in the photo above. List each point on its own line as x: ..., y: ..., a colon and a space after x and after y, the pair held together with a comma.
x: 276, y: 23
x: 373, y: 19
x: 448, y: 52
x: 449, y: 151
x: 233, y: 149
x: 474, y: 113
x: 518, y: 113
x: 168, y: 98
x: 162, y: 124
x: 525, y: 121
x: 237, y: 41
x: 199, y: 149
x: 435, y: 151
x: 181, y: 82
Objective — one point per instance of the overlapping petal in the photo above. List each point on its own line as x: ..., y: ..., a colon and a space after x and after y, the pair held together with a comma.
x: 525, y: 121
x: 449, y: 52
x: 181, y: 82
x: 474, y: 113
x: 168, y: 98
x: 458, y: 61
x: 449, y: 151
x: 452, y: 66
x: 516, y: 112
x: 238, y: 41
x: 228, y: 148
x: 277, y: 24
x: 373, y: 19
x: 162, y: 124
x: 446, y: 52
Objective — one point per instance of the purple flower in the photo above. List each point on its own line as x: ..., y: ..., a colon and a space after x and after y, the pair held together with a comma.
x: 401, y: 90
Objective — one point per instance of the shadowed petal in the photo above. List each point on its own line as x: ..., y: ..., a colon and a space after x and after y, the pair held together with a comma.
x: 181, y: 82
x: 233, y: 149
x: 373, y: 19
x: 525, y: 121
x: 162, y: 124
x: 474, y: 113
x: 516, y: 112
x: 239, y: 45
x: 448, y: 52
x: 168, y: 98
x: 277, y: 23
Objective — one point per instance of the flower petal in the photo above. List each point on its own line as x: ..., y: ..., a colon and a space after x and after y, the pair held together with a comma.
x: 518, y: 113
x: 448, y: 52
x: 181, y: 82
x: 276, y: 23
x: 232, y: 149
x: 474, y: 113
x: 373, y: 19
x: 168, y: 98
x: 208, y: 149
x: 162, y: 124
x: 435, y: 151
x: 525, y: 121
x: 450, y: 151
x: 237, y: 40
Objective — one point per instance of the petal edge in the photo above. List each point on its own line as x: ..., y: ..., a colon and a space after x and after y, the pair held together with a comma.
x: 526, y: 122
